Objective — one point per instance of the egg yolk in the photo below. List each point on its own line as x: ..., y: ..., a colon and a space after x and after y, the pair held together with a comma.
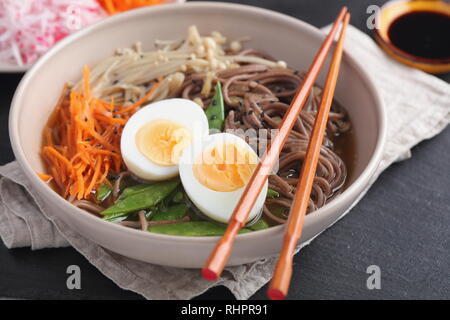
x: 225, y: 167
x: 162, y: 141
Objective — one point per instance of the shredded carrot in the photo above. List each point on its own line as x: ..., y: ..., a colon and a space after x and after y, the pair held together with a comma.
x: 111, y: 120
x: 81, y: 141
x: 45, y: 177
x: 94, y: 176
x: 116, y: 6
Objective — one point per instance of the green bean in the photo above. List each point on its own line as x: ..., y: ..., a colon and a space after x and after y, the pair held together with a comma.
x: 175, y: 212
x: 272, y: 193
x: 192, y: 229
x: 103, y: 192
x: 259, y: 225
x: 145, y: 199
x: 216, y: 110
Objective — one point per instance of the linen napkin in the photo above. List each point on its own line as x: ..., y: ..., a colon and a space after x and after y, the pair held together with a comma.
x: 417, y: 105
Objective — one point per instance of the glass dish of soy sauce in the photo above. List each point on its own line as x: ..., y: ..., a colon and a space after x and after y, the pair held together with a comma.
x: 416, y: 33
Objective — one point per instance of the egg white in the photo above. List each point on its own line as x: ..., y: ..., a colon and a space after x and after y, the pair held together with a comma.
x: 216, y: 205
x: 181, y: 111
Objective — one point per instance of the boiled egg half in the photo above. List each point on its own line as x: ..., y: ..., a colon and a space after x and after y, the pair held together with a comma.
x: 214, y: 174
x: 155, y: 137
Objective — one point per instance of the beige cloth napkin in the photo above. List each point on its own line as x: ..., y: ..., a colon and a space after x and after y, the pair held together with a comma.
x: 418, y: 107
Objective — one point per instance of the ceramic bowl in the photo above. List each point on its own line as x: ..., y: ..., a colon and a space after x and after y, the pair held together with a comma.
x: 281, y: 36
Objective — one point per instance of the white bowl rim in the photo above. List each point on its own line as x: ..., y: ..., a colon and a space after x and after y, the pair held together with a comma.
x: 356, y: 187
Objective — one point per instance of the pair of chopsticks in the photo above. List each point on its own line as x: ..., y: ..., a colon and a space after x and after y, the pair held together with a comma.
x: 283, y: 270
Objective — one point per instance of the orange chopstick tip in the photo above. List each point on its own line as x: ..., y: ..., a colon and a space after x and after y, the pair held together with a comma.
x: 275, y: 294
x: 209, y: 275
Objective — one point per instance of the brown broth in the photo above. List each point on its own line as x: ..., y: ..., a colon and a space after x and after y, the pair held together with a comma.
x: 345, y: 148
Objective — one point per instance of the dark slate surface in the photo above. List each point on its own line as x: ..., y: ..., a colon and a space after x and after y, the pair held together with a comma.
x: 402, y: 225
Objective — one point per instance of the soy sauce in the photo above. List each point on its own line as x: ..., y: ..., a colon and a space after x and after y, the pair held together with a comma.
x: 423, y: 34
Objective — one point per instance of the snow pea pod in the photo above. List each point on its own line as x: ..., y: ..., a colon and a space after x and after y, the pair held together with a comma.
x: 145, y: 199
x: 178, y: 197
x: 192, y: 229
x: 133, y: 190
x: 272, y: 193
x: 216, y: 110
x: 175, y: 212
x: 103, y: 192
x: 260, y: 225
x: 115, y: 217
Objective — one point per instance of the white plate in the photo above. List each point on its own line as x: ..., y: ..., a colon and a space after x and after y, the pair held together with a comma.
x: 14, y: 68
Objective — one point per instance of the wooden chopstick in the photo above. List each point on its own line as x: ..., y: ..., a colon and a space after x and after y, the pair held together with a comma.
x: 283, y: 271
x: 219, y: 256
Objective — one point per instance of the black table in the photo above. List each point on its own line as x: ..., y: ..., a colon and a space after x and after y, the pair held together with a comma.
x: 402, y: 225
